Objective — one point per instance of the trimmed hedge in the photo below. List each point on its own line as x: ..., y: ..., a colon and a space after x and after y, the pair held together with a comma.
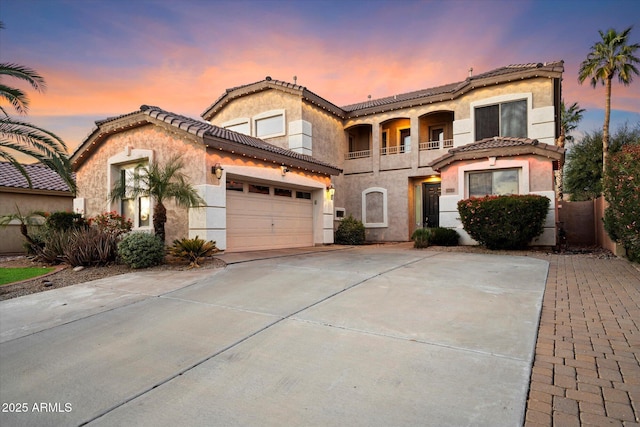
x: 622, y: 191
x: 350, y: 232
x: 504, y: 222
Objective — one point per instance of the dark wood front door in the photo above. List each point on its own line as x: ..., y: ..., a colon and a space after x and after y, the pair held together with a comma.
x: 430, y: 204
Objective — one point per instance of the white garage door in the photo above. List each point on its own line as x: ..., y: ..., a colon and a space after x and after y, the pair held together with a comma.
x: 260, y: 217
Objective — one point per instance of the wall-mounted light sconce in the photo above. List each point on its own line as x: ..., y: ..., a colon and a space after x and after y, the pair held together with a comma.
x: 331, y: 190
x: 284, y: 170
x: 217, y: 170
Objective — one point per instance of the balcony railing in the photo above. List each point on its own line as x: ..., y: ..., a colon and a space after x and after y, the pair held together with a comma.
x: 396, y: 149
x: 358, y: 154
x: 436, y: 145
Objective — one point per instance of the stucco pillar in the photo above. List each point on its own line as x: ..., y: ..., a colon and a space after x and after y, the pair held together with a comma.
x: 209, y: 222
x: 327, y: 218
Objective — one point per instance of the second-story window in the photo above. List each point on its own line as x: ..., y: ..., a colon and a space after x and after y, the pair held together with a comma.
x: 240, y: 128
x: 505, y: 119
x: 269, y: 126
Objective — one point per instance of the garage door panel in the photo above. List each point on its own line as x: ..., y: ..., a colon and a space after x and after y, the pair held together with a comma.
x: 261, y: 221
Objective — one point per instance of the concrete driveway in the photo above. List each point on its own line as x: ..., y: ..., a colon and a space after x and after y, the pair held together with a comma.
x: 371, y: 336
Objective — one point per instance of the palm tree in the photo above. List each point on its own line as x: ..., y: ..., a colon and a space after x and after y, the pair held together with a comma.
x: 17, y: 136
x: 569, y: 119
x: 608, y: 58
x: 33, y: 218
x: 160, y: 183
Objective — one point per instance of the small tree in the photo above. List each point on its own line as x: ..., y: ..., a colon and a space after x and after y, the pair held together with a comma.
x: 583, y: 175
x: 161, y: 183
x: 33, y: 218
x: 569, y: 118
x: 622, y: 190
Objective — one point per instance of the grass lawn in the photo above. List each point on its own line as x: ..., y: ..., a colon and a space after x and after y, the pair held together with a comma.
x: 11, y: 274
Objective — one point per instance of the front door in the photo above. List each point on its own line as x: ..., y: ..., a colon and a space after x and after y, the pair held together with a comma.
x: 430, y: 204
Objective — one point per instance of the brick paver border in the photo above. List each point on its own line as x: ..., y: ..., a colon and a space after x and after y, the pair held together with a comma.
x: 586, y: 370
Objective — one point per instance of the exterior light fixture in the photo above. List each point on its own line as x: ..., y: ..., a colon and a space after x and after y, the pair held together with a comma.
x: 331, y: 190
x: 217, y: 170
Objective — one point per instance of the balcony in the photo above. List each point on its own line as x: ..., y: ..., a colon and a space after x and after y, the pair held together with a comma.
x: 436, y: 145
x: 357, y: 154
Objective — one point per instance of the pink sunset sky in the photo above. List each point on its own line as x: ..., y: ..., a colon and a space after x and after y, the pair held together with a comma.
x: 103, y: 58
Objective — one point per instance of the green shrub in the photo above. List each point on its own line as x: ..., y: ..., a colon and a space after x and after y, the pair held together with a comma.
x: 193, y: 250
x: 141, y: 250
x: 504, y: 222
x: 421, y: 237
x: 350, y: 232
x: 441, y: 236
x: 622, y: 191
x: 91, y: 246
x: 438, y: 236
x: 62, y: 221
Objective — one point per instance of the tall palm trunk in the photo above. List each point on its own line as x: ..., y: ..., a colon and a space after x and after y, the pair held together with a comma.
x: 159, y: 219
x: 605, y: 126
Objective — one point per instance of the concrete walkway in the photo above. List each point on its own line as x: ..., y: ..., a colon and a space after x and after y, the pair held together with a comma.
x: 371, y: 336
x: 587, y: 363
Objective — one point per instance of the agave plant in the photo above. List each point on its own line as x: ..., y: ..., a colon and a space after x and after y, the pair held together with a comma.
x: 193, y: 250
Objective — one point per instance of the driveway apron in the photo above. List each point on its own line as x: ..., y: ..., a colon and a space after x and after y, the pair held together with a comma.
x: 371, y: 336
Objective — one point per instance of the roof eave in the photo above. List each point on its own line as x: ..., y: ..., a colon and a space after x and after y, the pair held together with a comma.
x: 233, y: 147
x: 104, y: 129
x: 35, y: 191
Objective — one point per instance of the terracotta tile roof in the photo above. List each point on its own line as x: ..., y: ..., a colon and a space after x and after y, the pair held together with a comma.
x: 498, y: 147
x: 495, y: 142
x: 204, y: 129
x: 401, y: 97
x: 41, y: 176
x: 453, y: 89
x: 211, y: 135
x: 269, y: 83
x: 403, y: 100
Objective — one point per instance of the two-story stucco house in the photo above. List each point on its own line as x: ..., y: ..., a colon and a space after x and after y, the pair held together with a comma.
x: 397, y: 163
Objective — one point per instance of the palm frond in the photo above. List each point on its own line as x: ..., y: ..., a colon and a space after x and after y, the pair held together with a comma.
x: 16, y: 97
x: 21, y: 72
x: 38, y: 143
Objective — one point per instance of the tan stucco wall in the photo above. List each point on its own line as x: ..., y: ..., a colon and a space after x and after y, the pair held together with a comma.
x: 329, y: 138
x: 11, y: 240
x: 541, y: 90
x: 93, y: 174
x: 261, y: 102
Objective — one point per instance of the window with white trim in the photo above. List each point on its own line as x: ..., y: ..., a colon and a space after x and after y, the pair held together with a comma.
x: 494, y: 182
x: 503, y: 119
x: 135, y: 207
x: 269, y: 124
x: 240, y: 128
